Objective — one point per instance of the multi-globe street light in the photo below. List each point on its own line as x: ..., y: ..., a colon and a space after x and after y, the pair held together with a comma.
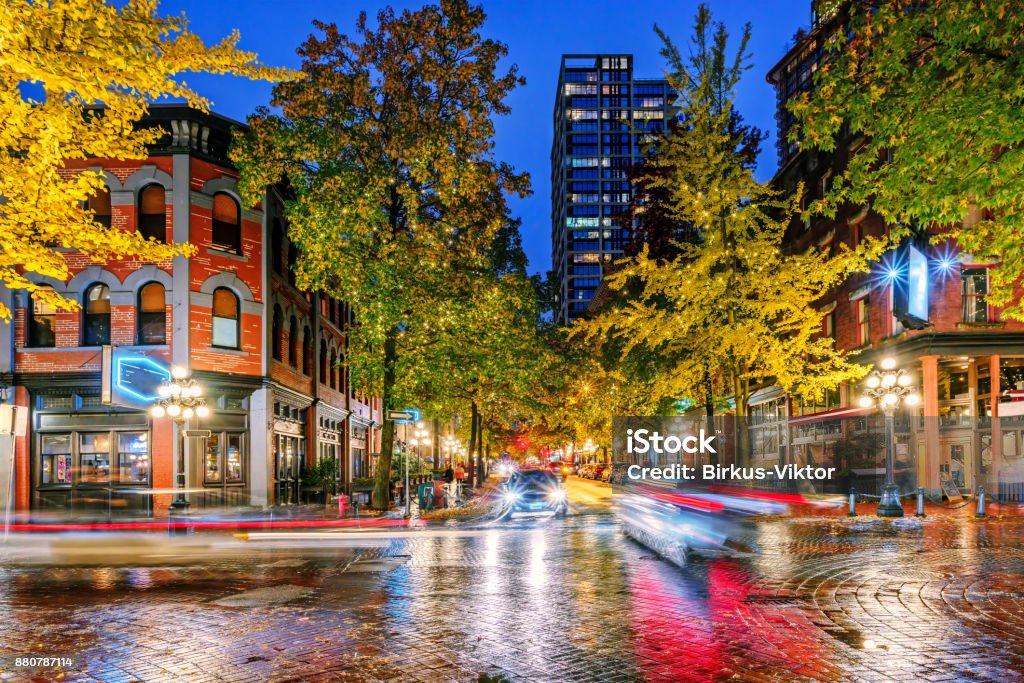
x: 887, y: 388
x: 181, y: 399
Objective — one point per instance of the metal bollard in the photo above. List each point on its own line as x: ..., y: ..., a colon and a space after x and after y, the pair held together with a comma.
x: 853, y: 503
x: 981, y: 502
x: 920, y: 502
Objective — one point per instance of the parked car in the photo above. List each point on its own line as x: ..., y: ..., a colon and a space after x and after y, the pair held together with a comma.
x: 598, y: 471
x: 616, y: 473
x: 584, y: 471
x: 535, y: 491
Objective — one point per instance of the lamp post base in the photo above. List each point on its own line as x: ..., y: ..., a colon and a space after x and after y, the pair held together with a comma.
x: 889, y: 505
x: 177, y: 514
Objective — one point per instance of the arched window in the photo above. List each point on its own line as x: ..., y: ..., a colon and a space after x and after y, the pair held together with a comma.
x: 293, y: 343
x: 152, y: 315
x: 153, y: 213
x: 42, y: 320
x: 99, y: 203
x: 225, y: 318
x: 307, y: 351
x: 227, y: 224
x: 330, y: 370
x: 275, y: 333
x: 96, y: 318
x: 323, y: 362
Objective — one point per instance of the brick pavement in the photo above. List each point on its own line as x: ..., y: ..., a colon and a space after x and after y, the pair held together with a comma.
x: 823, y: 598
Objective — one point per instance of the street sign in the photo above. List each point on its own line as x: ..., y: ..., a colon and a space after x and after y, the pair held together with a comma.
x: 197, y: 433
x: 406, y: 416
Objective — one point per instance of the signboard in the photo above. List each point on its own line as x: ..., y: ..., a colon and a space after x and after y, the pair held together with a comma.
x: 1011, y: 408
x: 131, y: 379
x: 406, y: 416
x: 909, y: 280
x: 949, y: 488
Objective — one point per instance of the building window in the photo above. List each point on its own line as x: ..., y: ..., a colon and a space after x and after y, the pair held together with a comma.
x: 133, y: 458
x: 293, y: 257
x: 293, y: 342
x: 863, y: 322
x: 974, y: 288
x: 227, y: 225
x: 830, y: 325
x: 99, y: 204
x: 42, y: 321
x: 153, y: 213
x: 323, y: 362
x: 96, y: 321
x: 307, y: 351
x: 334, y: 363
x: 225, y: 318
x: 275, y: 333
x: 152, y: 314
x: 895, y: 325
x: 224, y: 459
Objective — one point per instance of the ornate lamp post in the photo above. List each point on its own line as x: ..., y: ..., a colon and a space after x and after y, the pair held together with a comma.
x: 181, y: 399
x: 887, y: 388
x: 420, y: 436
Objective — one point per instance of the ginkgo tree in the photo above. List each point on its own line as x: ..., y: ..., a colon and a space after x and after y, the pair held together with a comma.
x: 731, y: 310
x: 75, y: 78
x: 932, y: 89
x: 387, y: 146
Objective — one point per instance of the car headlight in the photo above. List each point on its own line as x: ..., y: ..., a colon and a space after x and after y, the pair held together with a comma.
x: 511, y: 497
x: 557, y: 496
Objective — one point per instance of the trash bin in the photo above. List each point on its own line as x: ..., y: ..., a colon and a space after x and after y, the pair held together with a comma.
x: 425, y: 495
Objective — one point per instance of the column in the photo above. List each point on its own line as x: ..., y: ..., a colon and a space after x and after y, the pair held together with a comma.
x: 929, y: 476
x: 997, y: 430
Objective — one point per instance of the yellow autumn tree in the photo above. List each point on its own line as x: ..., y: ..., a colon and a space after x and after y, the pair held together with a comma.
x: 75, y: 76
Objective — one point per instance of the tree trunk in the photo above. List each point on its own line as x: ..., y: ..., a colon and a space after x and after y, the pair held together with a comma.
x: 473, y: 423
x: 709, y: 412
x: 380, y: 499
x: 479, y: 469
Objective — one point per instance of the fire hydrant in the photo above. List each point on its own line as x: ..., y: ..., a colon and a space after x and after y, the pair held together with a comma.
x: 342, y: 505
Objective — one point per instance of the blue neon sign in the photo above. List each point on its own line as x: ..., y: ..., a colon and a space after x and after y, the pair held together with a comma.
x: 136, y: 379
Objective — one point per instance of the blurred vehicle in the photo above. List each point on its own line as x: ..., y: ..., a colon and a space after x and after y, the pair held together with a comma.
x: 597, y: 473
x: 583, y: 471
x: 559, y: 469
x: 535, y: 491
x: 505, y: 469
x: 674, y: 518
x: 616, y: 473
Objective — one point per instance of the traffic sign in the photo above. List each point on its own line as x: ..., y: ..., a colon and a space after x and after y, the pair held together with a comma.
x: 404, y: 416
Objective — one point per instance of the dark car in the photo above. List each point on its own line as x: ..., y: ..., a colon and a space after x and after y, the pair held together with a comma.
x: 616, y: 473
x: 559, y: 469
x: 535, y: 491
x: 598, y: 472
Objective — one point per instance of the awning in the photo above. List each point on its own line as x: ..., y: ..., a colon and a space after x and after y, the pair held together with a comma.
x: 837, y: 414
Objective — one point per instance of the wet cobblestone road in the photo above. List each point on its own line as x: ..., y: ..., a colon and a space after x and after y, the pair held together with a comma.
x: 823, y: 599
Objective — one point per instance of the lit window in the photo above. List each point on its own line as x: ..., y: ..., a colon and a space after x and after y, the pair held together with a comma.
x: 153, y: 213
x: 974, y: 288
x: 99, y: 204
x: 227, y: 227
x: 225, y: 318
x: 863, y: 322
x: 152, y: 314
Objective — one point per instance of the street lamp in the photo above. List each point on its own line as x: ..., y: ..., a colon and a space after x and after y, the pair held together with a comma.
x: 886, y: 388
x: 181, y: 399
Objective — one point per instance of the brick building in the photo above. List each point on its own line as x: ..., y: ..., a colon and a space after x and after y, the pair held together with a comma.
x: 963, y: 356
x: 230, y: 313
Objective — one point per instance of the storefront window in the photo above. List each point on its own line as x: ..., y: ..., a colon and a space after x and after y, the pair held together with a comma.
x: 133, y: 457
x: 233, y: 467
x: 94, y: 452
x: 224, y: 461
x: 55, y: 465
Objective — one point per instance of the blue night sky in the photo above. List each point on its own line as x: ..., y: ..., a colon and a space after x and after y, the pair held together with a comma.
x: 537, y: 32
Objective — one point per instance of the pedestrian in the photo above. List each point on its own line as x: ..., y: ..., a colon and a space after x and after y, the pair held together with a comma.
x: 449, y: 475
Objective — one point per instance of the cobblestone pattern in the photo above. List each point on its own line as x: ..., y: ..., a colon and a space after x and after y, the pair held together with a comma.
x: 823, y: 599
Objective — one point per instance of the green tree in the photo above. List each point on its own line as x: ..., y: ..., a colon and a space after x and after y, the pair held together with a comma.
x: 732, y: 310
x: 387, y: 147
x: 933, y: 87
x: 89, y: 69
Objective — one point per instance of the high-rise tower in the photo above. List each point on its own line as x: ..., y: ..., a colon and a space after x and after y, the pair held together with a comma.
x: 600, y: 119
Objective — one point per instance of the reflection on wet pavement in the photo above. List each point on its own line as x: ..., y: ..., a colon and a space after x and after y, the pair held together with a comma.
x: 550, y: 600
